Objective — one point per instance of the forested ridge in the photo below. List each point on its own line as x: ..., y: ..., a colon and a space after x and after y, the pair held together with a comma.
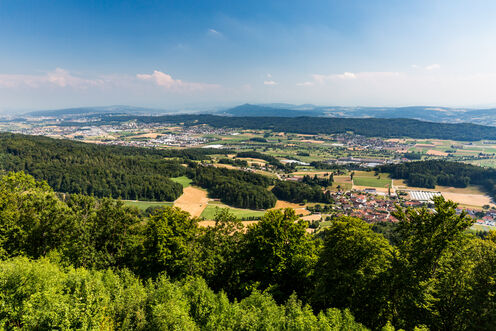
x: 430, y: 173
x: 119, y: 172
x: 129, y: 172
x: 372, y: 127
x: 87, y: 263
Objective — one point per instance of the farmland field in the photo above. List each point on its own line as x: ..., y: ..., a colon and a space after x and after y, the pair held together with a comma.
x: 371, y: 181
x: 194, y: 200
x: 212, y: 208
x: 183, y: 180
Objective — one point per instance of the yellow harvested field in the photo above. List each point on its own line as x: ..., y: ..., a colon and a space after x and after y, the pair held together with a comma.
x: 193, y: 200
x: 228, y: 166
x: 436, y: 153
x: 300, y: 210
x: 147, y: 135
x: 342, y: 179
x: 252, y: 159
x: 315, y: 217
x: 469, y: 199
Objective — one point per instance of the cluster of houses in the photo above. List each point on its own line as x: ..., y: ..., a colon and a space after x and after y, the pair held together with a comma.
x: 487, y: 217
x: 370, y: 208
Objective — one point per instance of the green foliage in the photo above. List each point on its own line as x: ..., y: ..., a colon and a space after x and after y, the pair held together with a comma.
x: 438, y: 172
x: 459, y: 296
x: 298, y: 192
x: 317, y: 181
x: 277, y: 255
x: 425, y: 235
x: 32, y: 220
x: 88, y: 252
x: 235, y: 162
x: 352, y: 271
x: 103, y: 171
x: 42, y: 295
x: 102, y: 235
x: 170, y: 243
x: 226, y: 183
x: 425, y: 238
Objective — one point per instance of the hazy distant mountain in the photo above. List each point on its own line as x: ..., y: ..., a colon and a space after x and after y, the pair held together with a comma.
x: 261, y: 110
x: 424, y: 113
x: 96, y: 110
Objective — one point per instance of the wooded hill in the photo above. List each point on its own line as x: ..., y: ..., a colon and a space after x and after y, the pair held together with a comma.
x: 372, y: 127
x: 127, y: 172
x: 74, y: 167
x: 139, y: 173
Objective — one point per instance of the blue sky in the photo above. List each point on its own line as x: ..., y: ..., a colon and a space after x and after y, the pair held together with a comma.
x: 188, y: 54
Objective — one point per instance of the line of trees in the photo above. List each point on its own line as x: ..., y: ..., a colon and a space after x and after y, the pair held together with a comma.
x: 300, y: 192
x: 430, y: 173
x: 318, y: 181
x: 234, y: 162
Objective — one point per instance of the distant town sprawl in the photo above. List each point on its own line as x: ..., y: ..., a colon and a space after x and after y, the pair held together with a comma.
x: 370, y: 196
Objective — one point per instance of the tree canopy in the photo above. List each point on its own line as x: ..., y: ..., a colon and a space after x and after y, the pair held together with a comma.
x: 80, y: 262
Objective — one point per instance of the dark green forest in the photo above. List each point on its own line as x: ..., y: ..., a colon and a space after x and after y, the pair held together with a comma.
x: 103, y: 171
x: 237, y: 188
x: 430, y: 173
x: 371, y: 127
x: 300, y: 192
x: 128, y: 172
x: 90, y: 263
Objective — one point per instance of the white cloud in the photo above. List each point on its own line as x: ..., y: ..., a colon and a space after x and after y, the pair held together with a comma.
x: 269, y: 76
x: 166, y: 81
x: 432, y: 66
x: 305, y: 84
x: 270, y: 82
x: 57, y: 78
x: 214, y: 33
x: 348, y: 76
